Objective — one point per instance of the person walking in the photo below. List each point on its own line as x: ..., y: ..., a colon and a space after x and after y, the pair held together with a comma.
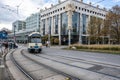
x: 6, y: 47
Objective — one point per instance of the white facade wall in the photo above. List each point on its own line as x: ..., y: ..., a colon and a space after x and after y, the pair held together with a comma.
x: 33, y: 22
x: 80, y: 7
x: 18, y: 25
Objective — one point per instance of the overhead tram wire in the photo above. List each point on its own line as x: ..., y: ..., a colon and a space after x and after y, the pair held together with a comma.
x: 99, y: 2
x: 95, y: 3
x: 6, y: 7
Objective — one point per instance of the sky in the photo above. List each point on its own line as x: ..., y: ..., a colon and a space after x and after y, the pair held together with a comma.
x: 8, y: 9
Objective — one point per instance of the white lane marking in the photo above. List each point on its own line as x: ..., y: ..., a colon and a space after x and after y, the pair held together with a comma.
x: 94, y: 56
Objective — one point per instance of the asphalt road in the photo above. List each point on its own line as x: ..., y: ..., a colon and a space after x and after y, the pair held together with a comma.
x: 89, y: 56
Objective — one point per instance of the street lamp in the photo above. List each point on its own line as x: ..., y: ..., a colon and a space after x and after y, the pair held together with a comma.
x: 70, y: 8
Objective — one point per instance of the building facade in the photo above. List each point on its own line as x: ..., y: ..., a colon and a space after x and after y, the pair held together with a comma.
x: 18, y: 25
x: 22, y: 29
x: 33, y: 22
x: 69, y: 20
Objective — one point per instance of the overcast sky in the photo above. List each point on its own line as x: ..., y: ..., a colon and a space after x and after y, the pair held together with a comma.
x: 8, y: 8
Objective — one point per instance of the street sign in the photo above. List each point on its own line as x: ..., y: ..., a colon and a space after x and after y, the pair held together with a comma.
x: 3, y: 34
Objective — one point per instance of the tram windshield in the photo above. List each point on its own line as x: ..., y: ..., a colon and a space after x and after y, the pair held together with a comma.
x: 35, y: 40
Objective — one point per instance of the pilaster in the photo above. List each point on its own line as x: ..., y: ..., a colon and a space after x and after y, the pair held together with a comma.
x: 80, y: 32
x: 59, y: 28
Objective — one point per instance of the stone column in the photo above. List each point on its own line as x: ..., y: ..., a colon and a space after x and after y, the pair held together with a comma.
x: 59, y: 28
x: 80, y: 32
x: 52, y: 25
x: 46, y: 26
x: 87, y: 26
x: 69, y: 13
x: 41, y: 27
x: 70, y: 8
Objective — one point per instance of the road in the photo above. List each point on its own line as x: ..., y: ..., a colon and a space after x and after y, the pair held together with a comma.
x: 89, y: 56
x: 102, y: 63
x: 79, y: 64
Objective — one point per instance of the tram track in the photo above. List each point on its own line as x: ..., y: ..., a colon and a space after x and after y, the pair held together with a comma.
x: 84, y: 61
x: 48, y: 67
x: 15, y: 59
x: 97, y: 75
x: 21, y: 68
x: 58, y: 60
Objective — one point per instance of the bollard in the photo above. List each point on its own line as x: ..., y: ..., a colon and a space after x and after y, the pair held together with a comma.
x: 2, y: 68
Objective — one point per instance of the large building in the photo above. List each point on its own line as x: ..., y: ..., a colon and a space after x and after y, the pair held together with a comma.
x: 67, y: 18
x: 33, y: 22
x: 18, y: 25
x: 18, y: 28
x: 67, y: 21
x: 22, y: 29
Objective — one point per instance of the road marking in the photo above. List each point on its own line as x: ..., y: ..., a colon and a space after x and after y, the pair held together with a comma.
x: 94, y: 56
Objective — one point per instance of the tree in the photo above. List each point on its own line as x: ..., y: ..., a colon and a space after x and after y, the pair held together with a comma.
x: 98, y: 23
x: 91, y: 30
x: 113, y: 23
x: 56, y: 40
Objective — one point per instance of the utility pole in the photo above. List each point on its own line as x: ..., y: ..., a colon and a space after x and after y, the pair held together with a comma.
x: 18, y: 8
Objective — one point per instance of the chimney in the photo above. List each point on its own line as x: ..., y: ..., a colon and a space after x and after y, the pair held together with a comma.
x: 41, y: 10
x: 90, y: 3
x: 81, y: 0
x: 59, y: 1
x: 104, y: 8
x: 97, y: 6
x: 51, y: 5
x: 45, y: 7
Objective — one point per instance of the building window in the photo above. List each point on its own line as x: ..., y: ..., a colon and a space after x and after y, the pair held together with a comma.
x: 79, y: 8
x: 49, y: 25
x: 95, y: 12
x: 75, y: 23
x: 56, y: 24
x: 76, y: 7
x: 87, y: 10
x: 90, y: 11
x: 84, y: 16
x: 82, y: 9
x: 64, y: 24
x: 44, y: 27
x: 63, y: 7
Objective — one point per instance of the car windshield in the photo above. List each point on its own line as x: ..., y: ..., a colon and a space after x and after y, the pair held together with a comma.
x: 35, y: 40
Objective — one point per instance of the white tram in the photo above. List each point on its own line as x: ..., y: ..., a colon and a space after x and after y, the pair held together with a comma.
x: 34, y: 42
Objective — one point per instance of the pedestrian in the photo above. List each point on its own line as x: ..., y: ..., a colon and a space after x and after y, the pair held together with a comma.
x: 6, y: 47
x: 46, y: 43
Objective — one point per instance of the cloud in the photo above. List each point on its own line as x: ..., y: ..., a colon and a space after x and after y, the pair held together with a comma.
x: 8, y: 8
x: 26, y: 8
x: 116, y: 0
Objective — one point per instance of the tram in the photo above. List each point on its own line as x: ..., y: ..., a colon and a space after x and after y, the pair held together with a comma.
x: 34, y: 42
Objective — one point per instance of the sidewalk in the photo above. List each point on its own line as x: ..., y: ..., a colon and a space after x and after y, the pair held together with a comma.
x: 6, y: 74
x: 58, y: 47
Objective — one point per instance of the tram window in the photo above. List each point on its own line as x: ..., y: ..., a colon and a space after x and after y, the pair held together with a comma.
x: 35, y: 40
